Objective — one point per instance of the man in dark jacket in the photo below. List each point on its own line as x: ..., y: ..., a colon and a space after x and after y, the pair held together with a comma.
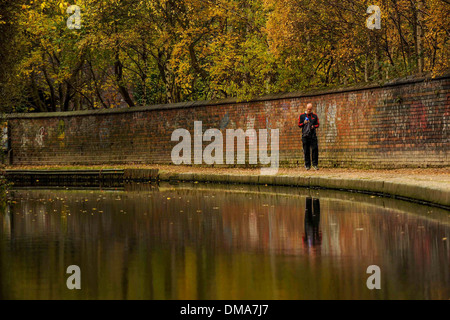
x: 309, y: 122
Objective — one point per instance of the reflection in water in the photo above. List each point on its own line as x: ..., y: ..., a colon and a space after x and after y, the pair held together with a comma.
x: 196, y: 241
x: 313, y: 236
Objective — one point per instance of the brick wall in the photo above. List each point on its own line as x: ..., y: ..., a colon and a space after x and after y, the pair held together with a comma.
x: 402, y: 123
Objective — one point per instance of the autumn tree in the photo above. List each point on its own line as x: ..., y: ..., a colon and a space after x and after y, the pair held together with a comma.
x: 138, y: 52
x: 324, y: 43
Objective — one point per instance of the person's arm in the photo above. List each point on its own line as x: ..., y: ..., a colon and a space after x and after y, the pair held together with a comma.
x: 300, y: 122
x: 317, y: 124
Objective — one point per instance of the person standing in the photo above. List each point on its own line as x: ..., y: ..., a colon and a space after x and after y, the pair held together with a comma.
x: 309, y: 122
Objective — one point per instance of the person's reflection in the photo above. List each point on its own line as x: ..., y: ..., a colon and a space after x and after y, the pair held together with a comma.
x: 313, y: 236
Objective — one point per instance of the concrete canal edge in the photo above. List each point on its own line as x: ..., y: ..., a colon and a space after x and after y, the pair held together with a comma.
x: 414, y: 192
x: 438, y: 196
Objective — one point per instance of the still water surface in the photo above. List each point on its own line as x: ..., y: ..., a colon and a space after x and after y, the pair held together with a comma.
x: 194, y: 241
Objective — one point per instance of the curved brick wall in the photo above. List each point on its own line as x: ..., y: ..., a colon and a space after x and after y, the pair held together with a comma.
x: 402, y: 123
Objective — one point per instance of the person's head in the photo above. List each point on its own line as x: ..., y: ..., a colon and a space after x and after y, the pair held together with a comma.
x: 309, y: 108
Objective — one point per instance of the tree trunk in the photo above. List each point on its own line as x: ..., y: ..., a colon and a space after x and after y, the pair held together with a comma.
x: 118, y: 70
x: 366, y: 71
x: 419, y: 35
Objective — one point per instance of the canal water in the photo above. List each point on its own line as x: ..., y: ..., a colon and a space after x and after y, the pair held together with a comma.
x: 206, y: 241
